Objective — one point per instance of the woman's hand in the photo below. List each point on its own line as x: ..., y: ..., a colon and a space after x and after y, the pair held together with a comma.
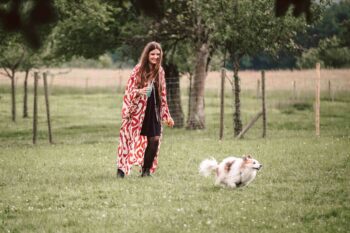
x: 169, y: 122
x: 143, y: 91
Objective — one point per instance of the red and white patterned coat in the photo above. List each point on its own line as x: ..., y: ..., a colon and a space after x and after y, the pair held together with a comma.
x: 132, y: 145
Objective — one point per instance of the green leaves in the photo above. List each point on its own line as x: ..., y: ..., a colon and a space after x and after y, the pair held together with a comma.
x: 330, y: 53
x: 253, y: 27
x: 86, y: 25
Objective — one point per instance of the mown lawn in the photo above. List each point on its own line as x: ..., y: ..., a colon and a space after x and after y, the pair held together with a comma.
x: 71, y: 186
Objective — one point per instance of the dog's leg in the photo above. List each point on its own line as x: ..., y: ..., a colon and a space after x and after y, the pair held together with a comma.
x: 217, y: 181
x: 232, y: 185
x: 220, y: 181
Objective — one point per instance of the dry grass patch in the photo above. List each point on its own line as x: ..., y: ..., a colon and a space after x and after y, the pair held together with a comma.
x: 275, y: 80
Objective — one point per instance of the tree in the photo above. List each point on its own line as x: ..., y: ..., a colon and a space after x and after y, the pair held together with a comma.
x: 329, y: 43
x: 17, y: 56
x: 247, y: 28
x: 333, y: 21
x: 31, y: 59
x: 26, y: 26
x: 26, y: 18
x: 12, y: 52
x: 330, y: 53
x: 85, y: 28
x: 202, y: 23
x: 203, y: 46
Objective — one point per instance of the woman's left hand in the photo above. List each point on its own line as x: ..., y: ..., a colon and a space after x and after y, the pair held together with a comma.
x: 169, y: 122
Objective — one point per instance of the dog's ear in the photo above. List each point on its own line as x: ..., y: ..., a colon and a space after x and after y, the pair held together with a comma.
x: 246, y: 158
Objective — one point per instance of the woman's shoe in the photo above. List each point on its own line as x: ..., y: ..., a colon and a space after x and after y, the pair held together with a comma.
x: 145, y: 172
x: 120, y: 174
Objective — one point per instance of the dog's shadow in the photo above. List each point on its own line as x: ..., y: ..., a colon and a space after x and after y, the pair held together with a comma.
x: 215, y: 189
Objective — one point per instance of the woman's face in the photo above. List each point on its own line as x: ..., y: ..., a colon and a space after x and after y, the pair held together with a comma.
x: 154, y: 56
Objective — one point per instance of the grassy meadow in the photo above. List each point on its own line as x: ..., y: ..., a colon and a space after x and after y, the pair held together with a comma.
x: 71, y: 186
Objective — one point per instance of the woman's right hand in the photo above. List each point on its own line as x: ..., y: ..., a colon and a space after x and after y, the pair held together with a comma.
x: 143, y: 91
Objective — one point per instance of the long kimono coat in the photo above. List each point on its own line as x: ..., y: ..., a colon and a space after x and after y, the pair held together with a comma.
x: 132, y: 145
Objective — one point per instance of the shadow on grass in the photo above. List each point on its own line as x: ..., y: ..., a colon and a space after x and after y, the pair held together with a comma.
x: 334, y: 213
x: 68, y: 135
x: 214, y: 189
x: 292, y: 106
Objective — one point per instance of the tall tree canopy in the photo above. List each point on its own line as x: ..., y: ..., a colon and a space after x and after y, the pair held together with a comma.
x: 86, y: 28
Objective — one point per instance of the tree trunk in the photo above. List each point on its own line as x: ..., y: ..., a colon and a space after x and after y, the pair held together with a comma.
x: 197, y: 115
x: 13, y: 95
x: 25, y: 96
x: 222, y: 99
x: 173, y: 94
x: 35, y: 107
x: 237, y: 122
x: 263, y: 102
x: 47, y: 103
x: 189, y: 96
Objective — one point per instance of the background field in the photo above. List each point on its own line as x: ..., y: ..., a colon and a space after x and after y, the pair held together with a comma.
x: 275, y: 79
x: 70, y: 186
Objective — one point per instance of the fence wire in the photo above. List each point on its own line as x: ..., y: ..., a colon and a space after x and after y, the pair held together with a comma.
x: 295, y: 85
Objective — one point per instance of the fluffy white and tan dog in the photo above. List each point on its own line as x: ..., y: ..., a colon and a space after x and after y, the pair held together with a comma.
x: 232, y: 172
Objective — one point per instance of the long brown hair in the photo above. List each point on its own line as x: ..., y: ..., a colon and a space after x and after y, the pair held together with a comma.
x: 145, y: 72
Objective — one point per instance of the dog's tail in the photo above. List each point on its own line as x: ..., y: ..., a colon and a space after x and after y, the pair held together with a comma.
x: 207, y: 166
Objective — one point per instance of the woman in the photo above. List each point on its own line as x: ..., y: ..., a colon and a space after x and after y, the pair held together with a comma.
x: 144, y: 108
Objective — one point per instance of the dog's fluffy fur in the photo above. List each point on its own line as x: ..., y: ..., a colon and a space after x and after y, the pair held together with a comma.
x: 232, y: 172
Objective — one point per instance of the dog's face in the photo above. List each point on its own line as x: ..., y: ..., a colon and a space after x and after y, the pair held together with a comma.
x: 249, y: 162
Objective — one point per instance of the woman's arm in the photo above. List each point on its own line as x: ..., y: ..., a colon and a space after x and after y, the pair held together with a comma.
x: 164, y: 109
x: 131, y: 96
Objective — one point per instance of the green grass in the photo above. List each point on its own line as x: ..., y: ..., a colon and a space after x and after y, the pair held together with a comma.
x: 71, y: 186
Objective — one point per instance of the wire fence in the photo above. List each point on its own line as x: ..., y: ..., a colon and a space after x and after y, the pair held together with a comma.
x: 295, y: 86
x: 292, y: 81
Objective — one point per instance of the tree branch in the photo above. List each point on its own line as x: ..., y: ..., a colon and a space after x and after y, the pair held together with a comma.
x: 3, y: 73
x: 228, y: 79
x: 15, y: 66
x: 7, y: 72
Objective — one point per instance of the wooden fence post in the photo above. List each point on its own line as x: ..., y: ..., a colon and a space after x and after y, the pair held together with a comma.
x: 263, y: 102
x: 330, y: 91
x: 222, y: 96
x: 35, y: 108
x: 294, y: 90
x: 13, y: 96
x: 258, y: 89
x: 120, y: 87
x: 52, y: 79
x: 86, y: 85
x: 189, y: 95
x: 47, y: 106
x: 317, y: 99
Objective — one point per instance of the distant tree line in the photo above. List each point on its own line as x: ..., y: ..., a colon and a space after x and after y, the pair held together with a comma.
x: 327, y: 41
